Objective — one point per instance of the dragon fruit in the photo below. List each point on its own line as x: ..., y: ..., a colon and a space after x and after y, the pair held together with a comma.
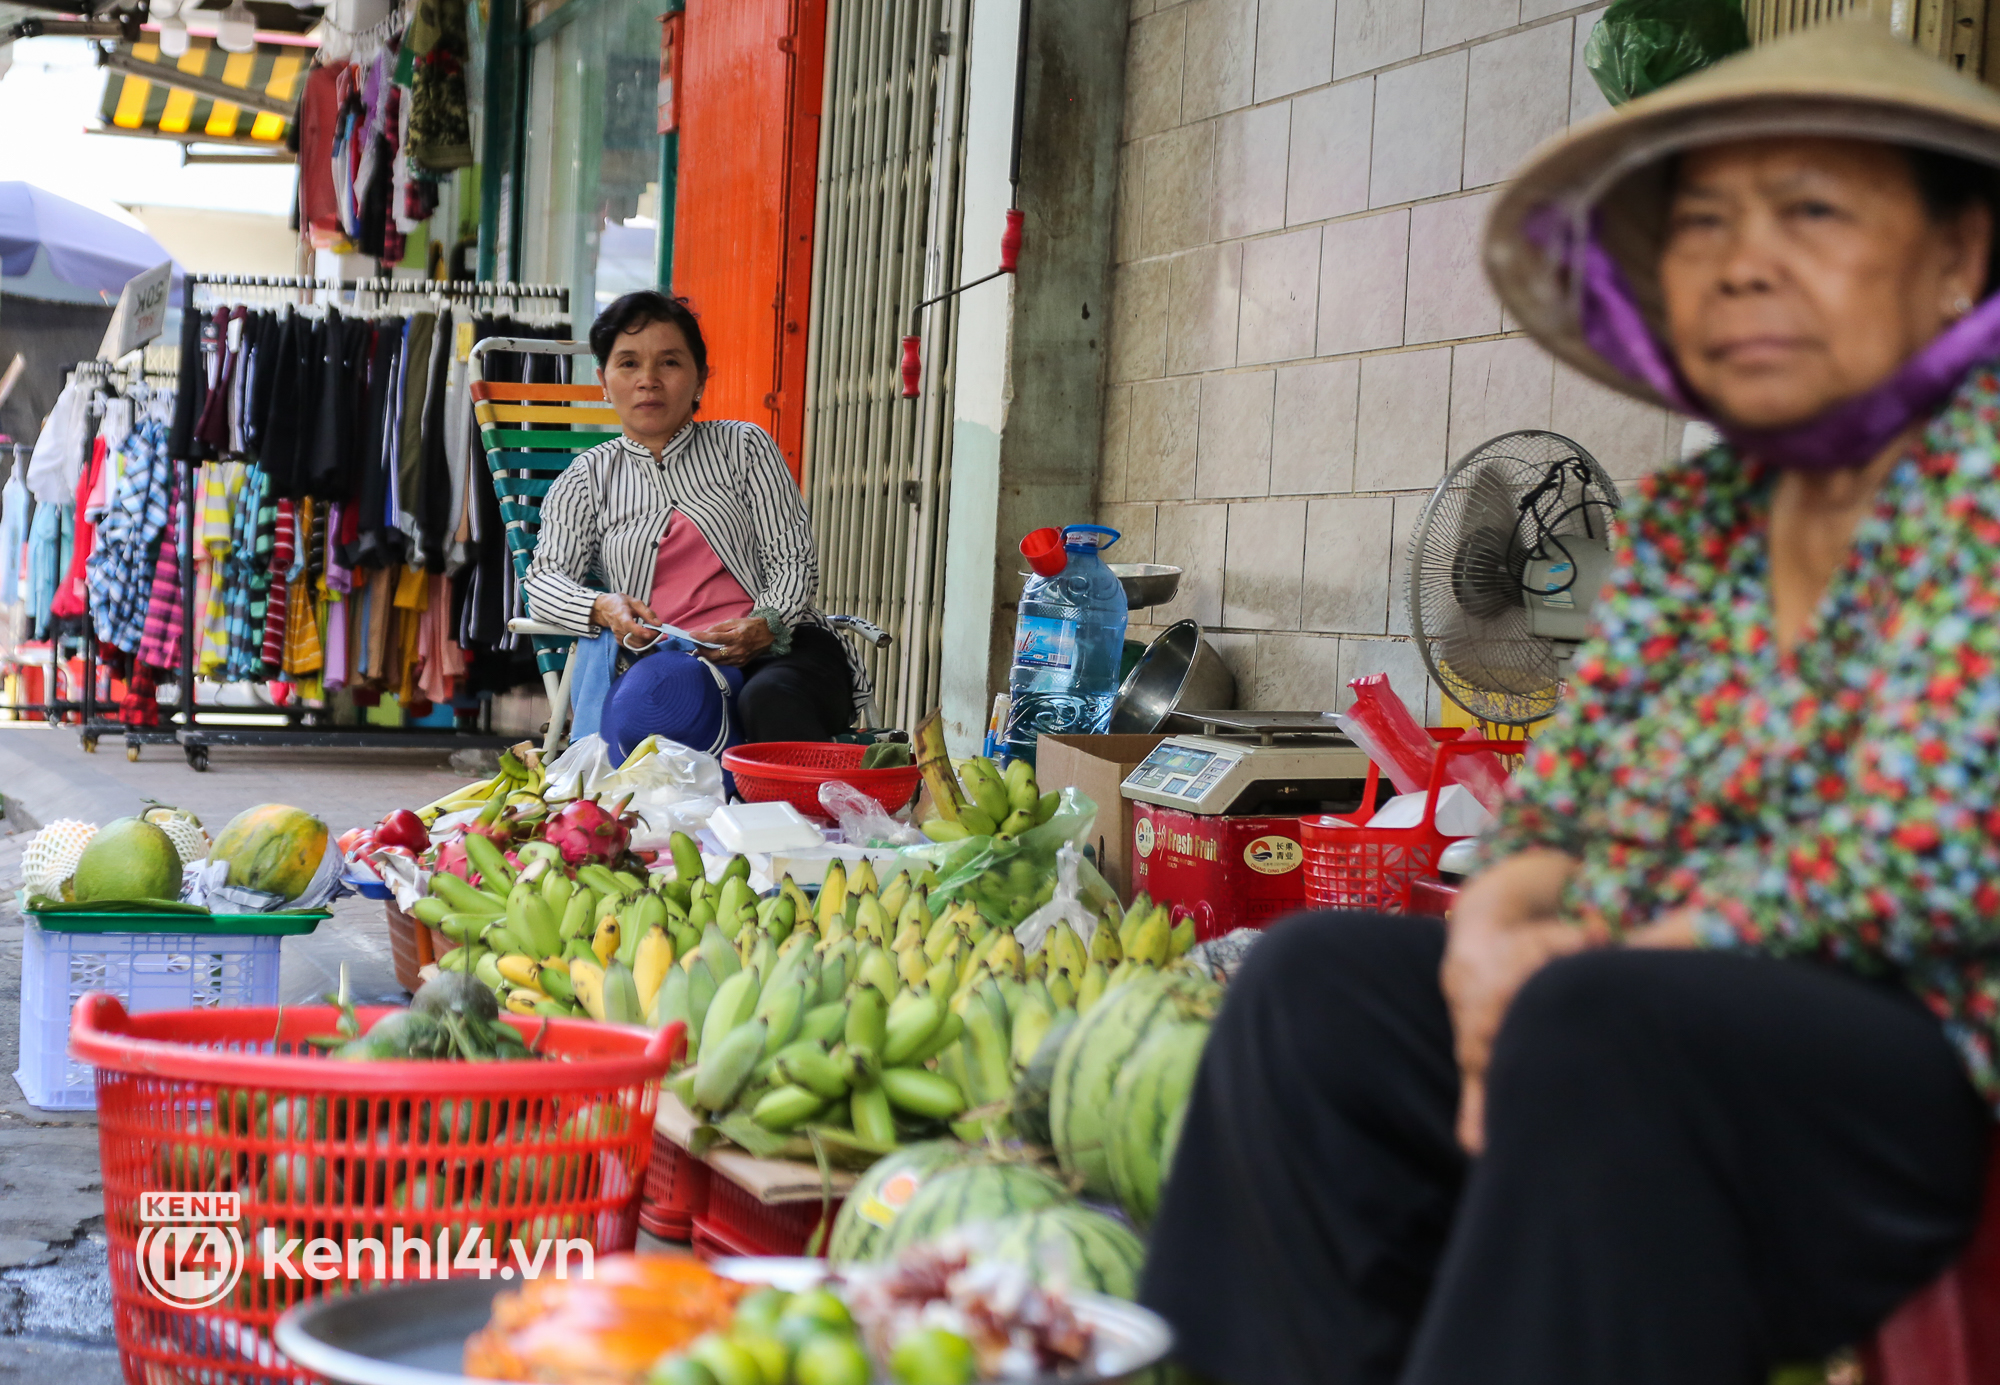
x: 588, y: 831
x: 451, y: 859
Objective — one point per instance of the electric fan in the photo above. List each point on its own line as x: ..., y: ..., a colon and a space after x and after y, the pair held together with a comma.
x: 1507, y: 559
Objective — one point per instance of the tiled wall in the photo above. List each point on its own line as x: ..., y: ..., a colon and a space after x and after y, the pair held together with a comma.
x: 1303, y: 339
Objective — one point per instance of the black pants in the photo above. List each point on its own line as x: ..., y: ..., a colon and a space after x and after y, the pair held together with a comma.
x: 806, y: 695
x: 1697, y: 1165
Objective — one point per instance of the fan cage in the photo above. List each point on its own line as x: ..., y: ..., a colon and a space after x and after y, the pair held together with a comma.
x: 1511, y: 498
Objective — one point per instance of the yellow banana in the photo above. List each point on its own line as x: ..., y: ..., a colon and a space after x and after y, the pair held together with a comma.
x: 861, y: 880
x: 520, y: 970
x: 586, y: 978
x: 1150, y: 940
x: 605, y: 943
x: 832, y: 908
x: 650, y: 964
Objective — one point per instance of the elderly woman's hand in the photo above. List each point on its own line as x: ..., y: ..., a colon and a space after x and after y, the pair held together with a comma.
x: 1504, y: 929
x: 622, y: 616
x: 741, y: 640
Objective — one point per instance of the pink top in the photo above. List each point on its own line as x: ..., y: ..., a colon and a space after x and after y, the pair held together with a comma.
x: 691, y: 587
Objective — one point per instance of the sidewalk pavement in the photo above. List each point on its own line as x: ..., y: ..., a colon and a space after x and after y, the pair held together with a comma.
x: 55, y: 1311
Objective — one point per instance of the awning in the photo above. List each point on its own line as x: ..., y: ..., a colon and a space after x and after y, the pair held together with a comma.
x: 205, y: 95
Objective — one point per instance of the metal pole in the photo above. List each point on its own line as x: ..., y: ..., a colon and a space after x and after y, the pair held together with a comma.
x: 188, y: 614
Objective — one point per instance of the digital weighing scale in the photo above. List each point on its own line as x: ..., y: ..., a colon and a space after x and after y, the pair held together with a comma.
x: 1215, y: 815
x: 1274, y: 761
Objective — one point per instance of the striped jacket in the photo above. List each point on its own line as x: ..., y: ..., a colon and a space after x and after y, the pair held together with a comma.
x: 603, y: 520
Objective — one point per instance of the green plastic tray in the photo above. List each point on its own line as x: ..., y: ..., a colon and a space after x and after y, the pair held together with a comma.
x: 158, y: 917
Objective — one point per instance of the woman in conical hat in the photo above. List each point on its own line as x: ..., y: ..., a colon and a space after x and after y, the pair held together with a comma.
x: 1700, y: 1078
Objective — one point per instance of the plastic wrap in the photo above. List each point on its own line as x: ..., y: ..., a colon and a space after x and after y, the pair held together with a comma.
x: 1642, y: 45
x: 862, y: 819
x: 671, y: 787
x: 1007, y: 880
x: 1066, y: 907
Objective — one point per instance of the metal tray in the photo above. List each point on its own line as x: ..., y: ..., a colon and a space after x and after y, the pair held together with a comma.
x: 414, y: 1334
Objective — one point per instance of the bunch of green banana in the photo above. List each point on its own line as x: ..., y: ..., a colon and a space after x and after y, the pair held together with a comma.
x: 592, y: 941
x: 521, y: 777
x: 995, y: 803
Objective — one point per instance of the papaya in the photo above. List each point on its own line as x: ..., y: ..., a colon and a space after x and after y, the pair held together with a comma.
x: 273, y: 848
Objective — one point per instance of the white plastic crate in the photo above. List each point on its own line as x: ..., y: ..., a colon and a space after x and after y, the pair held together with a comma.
x: 147, y: 971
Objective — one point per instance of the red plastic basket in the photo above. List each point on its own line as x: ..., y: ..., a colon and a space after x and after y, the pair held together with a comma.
x: 792, y: 771
x: 737, y: 1222
x: 1351, y: 866
x: 676, y: 1191
x: 234, y: 1101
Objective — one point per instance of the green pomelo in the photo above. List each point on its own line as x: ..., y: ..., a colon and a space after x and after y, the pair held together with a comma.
x: 1075, y: 1247
x: 129, y: 859
x: 966, y: 1197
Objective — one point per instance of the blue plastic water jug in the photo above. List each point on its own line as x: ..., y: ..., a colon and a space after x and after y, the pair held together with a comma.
x: 1067, y: 645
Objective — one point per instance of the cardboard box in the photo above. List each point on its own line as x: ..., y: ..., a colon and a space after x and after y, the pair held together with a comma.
x: 1095, y: 766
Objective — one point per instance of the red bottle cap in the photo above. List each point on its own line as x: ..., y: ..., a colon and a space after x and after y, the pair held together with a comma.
x: 1044, y: 551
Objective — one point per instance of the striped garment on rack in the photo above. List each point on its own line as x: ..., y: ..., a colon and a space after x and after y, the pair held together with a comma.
x: 119, y: 573
x: 160, y: 644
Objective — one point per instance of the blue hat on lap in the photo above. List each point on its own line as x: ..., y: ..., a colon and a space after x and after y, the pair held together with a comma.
x: 675, y: 695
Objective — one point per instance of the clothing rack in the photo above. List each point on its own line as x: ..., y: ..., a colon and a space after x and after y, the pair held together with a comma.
x: 302, y: 728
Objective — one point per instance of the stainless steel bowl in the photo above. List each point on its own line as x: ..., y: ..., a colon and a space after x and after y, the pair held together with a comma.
x: 1178, y: 669
x: 1147, y: 584
x: 414, y: 1333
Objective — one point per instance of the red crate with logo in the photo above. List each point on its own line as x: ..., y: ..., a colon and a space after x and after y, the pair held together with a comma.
x: 1223, y: 872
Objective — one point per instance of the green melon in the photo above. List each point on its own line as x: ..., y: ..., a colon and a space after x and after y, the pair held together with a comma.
x: 968, y: 1196
x: 1094, y: 1053
x: 1080, y: 1248
x: 1147, y: 1103
x: 273, y: 848
x: 878, y: 1199
x: 1031, y: 1093
x: 129, y: 858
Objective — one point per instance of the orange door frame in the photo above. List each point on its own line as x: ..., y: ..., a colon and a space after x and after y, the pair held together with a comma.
x: 751, y: 79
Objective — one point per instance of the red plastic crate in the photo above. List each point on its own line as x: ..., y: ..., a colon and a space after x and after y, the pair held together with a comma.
x: 676, y: 1191
x: 738, y: 1223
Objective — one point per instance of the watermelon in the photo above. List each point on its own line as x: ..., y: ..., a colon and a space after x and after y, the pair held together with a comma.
x: 1147, y: 1103
x: 1082, y: 1249
x: 968, y: 1196
x: 1031, y: 1093
x: 876, y: 1201
x: 1094, y: 1053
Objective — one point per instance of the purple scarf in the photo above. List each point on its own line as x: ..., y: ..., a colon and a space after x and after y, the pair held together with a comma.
x: 1847, y: 434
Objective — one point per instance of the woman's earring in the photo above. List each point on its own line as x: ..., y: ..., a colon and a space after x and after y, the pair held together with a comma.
x: 1961, y: 305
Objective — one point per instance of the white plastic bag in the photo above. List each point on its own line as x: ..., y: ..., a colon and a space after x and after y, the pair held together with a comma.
x: 671, y: 787
x: 1066, y: 906
x: 861, y: 818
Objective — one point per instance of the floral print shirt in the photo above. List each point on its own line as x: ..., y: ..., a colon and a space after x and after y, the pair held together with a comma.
x: 1842, y: 802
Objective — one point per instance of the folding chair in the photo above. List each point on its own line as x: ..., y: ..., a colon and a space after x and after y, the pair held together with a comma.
x: 531, y: 433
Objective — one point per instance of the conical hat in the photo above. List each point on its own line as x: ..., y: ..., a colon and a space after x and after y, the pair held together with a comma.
x: 1850, y: 79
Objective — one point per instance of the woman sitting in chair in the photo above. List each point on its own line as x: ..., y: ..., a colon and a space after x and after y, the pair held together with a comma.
x: 695, y: 525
